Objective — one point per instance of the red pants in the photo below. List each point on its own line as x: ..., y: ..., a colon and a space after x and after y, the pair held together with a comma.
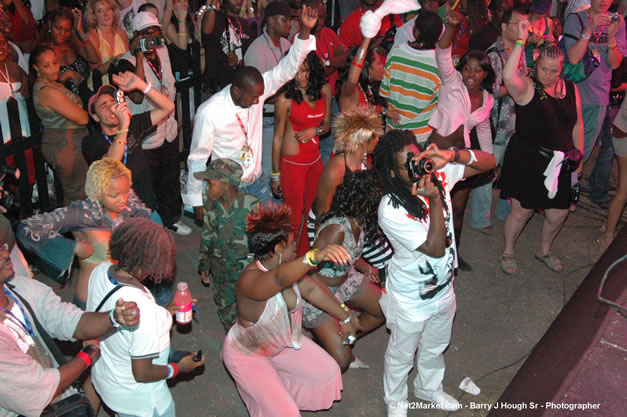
x: 299, y: 182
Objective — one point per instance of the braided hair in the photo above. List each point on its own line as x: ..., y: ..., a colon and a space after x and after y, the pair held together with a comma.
x: 385, y: 163
x: 314, y: 85
x: 143, y: 249
x: 358, y: 197
x: 267, y: 225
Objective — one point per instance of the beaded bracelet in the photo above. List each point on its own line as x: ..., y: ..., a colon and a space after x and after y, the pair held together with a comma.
x: 346, y: 320
x: 119, y: 132
x: 344, y: 307
x: 520, y: 43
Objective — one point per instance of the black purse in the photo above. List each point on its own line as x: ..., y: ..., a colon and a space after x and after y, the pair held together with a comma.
x: 76, y: 405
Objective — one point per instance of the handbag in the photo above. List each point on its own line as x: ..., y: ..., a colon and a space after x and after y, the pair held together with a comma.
x: 76, y: 405
x: 586, y: 65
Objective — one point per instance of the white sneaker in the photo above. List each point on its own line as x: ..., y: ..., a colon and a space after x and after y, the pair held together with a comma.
x: 180, y: 228
x: 443, y: 401
x: 397, y: 409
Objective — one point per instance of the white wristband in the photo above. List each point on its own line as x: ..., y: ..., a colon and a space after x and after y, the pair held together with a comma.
x: 472, y: 157
x: 147, y: 89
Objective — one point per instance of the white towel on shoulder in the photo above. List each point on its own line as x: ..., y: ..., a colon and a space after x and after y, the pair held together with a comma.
x: 552, y: 173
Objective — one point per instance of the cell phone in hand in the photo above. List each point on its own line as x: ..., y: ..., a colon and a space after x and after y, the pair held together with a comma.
x: 198, y: 356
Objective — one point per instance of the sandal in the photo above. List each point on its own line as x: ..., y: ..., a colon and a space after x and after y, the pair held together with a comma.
x: 508, y: 264
x: 551, y: 261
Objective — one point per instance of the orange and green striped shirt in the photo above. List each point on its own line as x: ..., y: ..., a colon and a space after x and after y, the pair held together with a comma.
x: 411, y: 85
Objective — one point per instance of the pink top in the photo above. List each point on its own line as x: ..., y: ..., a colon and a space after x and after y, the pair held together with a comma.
x: 454, y: 107
x: 275, y: 330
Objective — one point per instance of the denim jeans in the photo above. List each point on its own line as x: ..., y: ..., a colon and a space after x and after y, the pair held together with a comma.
x: 327, y: 144
x: 600, y: 178
x: 169, y: 412
x: 480, y: 205
x: 261, y: 189
x: 592, y: 115
x: 266, y: 150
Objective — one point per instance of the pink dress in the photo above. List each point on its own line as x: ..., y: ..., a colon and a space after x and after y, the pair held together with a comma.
x: 278, y: 372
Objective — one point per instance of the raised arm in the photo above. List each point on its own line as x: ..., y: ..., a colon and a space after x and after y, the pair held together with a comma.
x: 520, y: 88
x: 288, y: 66
x: 263, y: 286
x: 578, y: 132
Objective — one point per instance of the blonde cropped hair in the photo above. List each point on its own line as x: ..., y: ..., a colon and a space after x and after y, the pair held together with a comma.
x: 90, y: 13
x: 356, y: 127
x: 101, y: 173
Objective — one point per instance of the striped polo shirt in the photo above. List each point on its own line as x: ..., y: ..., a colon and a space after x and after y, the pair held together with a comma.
x: 411, y: 85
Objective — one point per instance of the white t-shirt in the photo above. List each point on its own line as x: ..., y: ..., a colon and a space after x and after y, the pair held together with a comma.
x: 411, y: 273
x: 112, y: 373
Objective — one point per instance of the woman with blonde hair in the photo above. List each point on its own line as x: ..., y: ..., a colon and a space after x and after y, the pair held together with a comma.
x: 357, y: 133
x: 110, y: 200
x: 109, y: 39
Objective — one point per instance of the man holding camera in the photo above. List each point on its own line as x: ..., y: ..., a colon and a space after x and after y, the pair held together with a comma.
x: 119, y: 136
x: 419, y: 303
x: 150, y: 61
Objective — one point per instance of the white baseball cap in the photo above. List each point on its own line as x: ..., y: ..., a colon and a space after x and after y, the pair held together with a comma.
x: 143, y: 20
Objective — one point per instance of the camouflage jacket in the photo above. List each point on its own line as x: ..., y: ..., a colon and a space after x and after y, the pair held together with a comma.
x: 224, y: 244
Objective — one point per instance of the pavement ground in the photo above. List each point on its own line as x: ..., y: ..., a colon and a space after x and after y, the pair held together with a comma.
x: 499, y: 320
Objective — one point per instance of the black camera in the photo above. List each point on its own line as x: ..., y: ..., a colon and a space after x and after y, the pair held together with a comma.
x: 8, y: 200
x: 416, y: 170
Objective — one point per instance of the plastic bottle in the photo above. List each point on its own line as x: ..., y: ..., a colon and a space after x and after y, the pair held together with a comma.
x: 183, y: 301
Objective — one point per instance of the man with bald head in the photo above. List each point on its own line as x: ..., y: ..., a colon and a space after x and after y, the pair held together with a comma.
x: 229, y: 124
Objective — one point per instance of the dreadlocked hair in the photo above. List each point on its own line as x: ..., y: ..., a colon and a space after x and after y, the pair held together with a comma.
x: 143, y: 249
x: 385, y: 163
x: 358, y: 197
x: 314, y: 85
x: 267, y: 225
x: 101, y: 173
x: 356, y: 127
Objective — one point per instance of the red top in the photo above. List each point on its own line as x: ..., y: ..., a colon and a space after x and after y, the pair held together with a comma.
x: 350, y: 33
x: 23, y: 31
x: 326, y: 42
x: 302, y: 116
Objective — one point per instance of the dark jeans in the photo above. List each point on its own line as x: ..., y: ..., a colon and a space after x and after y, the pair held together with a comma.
x: 600, y: 177
x: 163, y: 163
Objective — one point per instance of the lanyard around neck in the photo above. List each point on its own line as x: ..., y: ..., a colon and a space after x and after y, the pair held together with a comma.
x: 24, y: 324
x: 111, y: 142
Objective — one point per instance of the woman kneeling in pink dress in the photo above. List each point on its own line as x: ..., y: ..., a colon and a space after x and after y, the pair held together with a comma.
x: 277, y: 371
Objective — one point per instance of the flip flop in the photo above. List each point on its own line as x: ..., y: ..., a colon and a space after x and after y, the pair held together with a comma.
x: 508, y: 264
x: 551, y: 261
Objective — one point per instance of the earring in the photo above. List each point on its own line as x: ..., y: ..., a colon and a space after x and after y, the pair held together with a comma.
x: 280, y: 258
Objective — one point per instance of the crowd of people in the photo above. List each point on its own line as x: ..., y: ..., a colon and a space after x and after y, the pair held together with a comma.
x: 330, y: 171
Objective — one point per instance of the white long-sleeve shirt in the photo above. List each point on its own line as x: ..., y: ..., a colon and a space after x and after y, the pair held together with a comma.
x: 217, y: 130
x: 454, y: 107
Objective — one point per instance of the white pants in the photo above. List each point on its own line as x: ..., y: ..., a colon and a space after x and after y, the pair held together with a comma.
x: 430, y: 336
